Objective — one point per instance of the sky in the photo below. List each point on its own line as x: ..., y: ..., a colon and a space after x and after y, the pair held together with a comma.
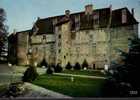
x: 21, y: 14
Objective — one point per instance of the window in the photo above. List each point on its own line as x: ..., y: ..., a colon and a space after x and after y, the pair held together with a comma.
x: 64, y: 57
x: 91, y: 36
x: 67, y: 54
x: 59, y: 36
x: 96, y: 19
x: 124, y: 16
x: 94, y: 49
x: 59, y: 51
x: 77, y: 23
x: 51, y: 46
x: 59, y: 44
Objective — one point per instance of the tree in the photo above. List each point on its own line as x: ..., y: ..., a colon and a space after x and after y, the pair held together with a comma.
x: 3, y: 34
x: 30, y: 74
x: 43, y: 63
x: 58, y: 68
x: 69, y: 66
x: 85, y: 64
x: 77, y: 66
x: 49, y: 70
x: 123, y: 75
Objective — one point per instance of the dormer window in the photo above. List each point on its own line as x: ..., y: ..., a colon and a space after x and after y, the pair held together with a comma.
x: 124, y: 16
x: 77, y: 23
x: 96, y: 19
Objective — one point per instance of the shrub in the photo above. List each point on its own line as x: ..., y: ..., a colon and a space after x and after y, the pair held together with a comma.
x: 85, y: 64
x: 49, y: 70
x: 30, y: 74
x: 58, y: 68
x: 77, y: 66
x: 52, y: 66
x: 69, y: 66
x: 43, y: 63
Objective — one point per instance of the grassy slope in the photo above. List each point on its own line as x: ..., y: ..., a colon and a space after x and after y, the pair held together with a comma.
x: 81, y: 87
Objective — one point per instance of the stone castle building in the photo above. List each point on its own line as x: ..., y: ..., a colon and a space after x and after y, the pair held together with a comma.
x: 93, y: 35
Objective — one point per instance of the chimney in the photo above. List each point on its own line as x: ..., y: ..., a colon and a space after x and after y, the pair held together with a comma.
x: 14, y: 31
x: 110, y: 6
x: 67, y: 13
x: 88, y: 9
x: 132, y: 11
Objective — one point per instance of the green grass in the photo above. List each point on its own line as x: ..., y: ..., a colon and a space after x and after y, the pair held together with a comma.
x: 3, y: 89
x: 84, y: 72
x: 81, y: 87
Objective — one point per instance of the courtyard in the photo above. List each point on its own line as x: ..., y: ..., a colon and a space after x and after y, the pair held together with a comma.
x: 73, y: 83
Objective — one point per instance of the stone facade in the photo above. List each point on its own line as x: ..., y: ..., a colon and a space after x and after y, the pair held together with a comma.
x: 22, y: 47
x: 43, y: 47
x: 93, y: 35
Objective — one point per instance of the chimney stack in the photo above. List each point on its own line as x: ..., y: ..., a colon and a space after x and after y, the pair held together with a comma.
x: 67, y: 13
x: 88, y: 9
x: 14, y: 32
x: 132, y: 11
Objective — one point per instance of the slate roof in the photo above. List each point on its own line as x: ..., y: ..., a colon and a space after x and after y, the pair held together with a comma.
x: 86, y: 21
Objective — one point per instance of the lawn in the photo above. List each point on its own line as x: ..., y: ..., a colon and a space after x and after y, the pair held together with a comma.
x: 80, y: 87
x: 3, y: 89
x: 84, y: 72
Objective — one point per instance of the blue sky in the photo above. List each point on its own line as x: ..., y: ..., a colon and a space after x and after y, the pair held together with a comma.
x: 21, y: 14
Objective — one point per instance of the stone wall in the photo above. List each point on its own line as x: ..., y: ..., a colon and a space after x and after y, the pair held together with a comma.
x: 63, y: 42
x: 98, y: 46
x: 89, y: 45
x: 43, y: 46
x: 22, y: 48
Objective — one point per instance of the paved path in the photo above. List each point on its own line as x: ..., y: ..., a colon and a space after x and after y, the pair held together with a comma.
x: 14, y: 73
x: 4, y: 68
x: 84, y: 76
x: 37, y: 91
x: 7, y: 74
x: 21, y: 69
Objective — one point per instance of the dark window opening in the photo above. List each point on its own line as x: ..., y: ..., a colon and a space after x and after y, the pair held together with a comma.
x: 93, y: 66
x: 59, y: 50
x: 59, y: 36
x: 64, y: 57
x: 59, y: 44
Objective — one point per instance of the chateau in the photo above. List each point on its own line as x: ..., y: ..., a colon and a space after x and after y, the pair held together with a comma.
x: 93, y: 35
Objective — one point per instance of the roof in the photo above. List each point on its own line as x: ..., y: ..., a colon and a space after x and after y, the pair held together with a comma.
x: 46, y: 25
x: 116, y: 18
x: 24, y: 31
x: 12, y: 38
